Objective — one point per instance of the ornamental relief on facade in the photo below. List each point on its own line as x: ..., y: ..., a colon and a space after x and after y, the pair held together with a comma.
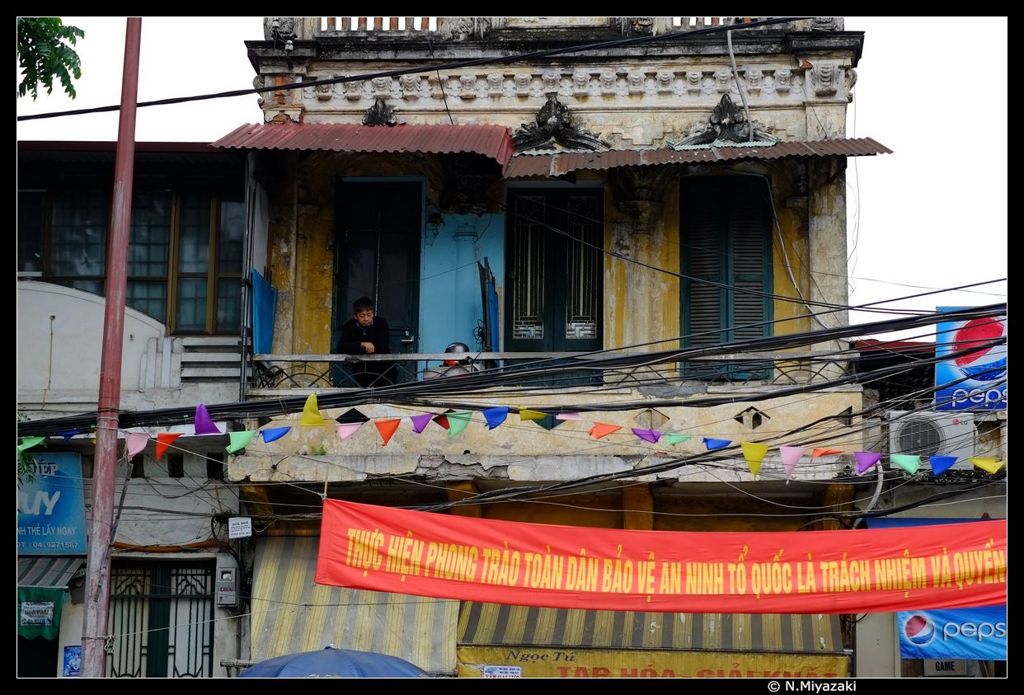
x: 760, y: 83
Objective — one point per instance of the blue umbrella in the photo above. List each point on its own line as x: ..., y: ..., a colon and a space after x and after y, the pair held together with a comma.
x: 334, y: 663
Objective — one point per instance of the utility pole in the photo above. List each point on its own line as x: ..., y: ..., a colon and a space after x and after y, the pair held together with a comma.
x: 97, y: 581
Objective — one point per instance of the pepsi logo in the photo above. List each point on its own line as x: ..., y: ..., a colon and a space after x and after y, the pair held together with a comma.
x: 919, y: 630
x: 988, y: 362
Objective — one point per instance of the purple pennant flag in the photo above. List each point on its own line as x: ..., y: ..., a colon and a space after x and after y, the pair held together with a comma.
x: 420, y: 422
x: 204, y: 425
x: 941, y: 464
x: 651, y: 436
x: 866, y: 459
x: 713, y: 444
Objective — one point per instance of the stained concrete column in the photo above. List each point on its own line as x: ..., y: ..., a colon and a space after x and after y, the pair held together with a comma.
x: 826, y: 245
x: 467, y: 281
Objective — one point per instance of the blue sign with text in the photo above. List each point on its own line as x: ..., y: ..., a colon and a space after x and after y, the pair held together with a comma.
x: 965, y: 633
x: 51, y: 507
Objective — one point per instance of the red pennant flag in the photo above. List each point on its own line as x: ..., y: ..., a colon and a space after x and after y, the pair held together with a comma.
x: 825, y: 452
x: 163, y: 440
x: 387, y: 429
x: 601, y: 429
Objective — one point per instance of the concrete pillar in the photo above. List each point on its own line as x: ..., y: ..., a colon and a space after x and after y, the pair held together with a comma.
x: 826, y: 245
x: 467, y: 282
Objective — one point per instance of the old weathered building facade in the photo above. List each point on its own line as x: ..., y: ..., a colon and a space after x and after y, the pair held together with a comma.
x: 632, y: 193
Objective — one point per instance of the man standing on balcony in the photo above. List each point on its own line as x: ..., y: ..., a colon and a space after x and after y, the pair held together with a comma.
x: 367, y: 334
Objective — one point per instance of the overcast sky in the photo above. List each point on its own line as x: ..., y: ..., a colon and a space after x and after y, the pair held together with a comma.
x: 933, y: 90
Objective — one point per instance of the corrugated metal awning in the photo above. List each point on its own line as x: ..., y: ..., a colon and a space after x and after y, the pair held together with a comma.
x: 290, y: 613
x: 564, y: 162
x: 492, y: 141
x: 53, y: 572
x: 498, y: 625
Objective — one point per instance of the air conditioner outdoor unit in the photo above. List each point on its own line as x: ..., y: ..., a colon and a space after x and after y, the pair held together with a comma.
x: 933, y: 434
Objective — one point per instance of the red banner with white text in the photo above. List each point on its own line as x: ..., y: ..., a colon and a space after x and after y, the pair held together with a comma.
x: 424, y: 554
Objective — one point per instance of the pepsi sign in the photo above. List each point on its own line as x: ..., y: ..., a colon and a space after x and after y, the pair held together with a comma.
x: 966, y: 633
x: 980, y: 373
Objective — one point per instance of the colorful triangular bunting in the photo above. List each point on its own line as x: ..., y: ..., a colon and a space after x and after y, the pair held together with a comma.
x: 239, y: 440
x: 987, y: 463
x: 651, y: 436
x: 457, y: 421
x: 711, y: 443
x: 420, y: 422
x: 387, y: 429
x: 866, y: 459
x: 134, y: 442
x: 601, y: 429
x: 907, y: 462
x: 346, y: 430
x: 164, y: 440
x: 272, y: 434
x: 204, y: 425
x: 29, y: 442
x: 495, y: 416
x: 754, y: 454
x: 311, y: 416
x: 941, y: 464
x: 790, y: 457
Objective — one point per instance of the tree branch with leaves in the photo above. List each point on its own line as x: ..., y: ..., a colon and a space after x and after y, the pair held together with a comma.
x: 44, y: 53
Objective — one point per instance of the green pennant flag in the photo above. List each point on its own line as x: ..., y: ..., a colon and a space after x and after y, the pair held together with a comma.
x: 239, y: 440
x: 907, y: 462
x: 29, y: 442
x: 673, y: 439
x: 458, y: 422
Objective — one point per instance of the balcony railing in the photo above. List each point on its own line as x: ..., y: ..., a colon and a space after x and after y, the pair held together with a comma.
x: 292, y: 374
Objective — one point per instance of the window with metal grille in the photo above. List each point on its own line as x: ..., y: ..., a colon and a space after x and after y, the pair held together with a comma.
x: 725, y: 223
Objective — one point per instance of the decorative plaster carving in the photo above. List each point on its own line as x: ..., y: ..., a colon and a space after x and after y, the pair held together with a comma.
x: 783, y: 80
x: 354, y: 90
x: 410, y: 86
x: 523, y: 84
x: 754, y: 79
x: 851, y: 79
x: 723, y: 80
x: 608, y: 80
x: 463, y: 28
x: 324, y: 92
x: 495, y: 83
x: 258, y: 82
x: 468, y: 83
x: 380, y: 114
x: 580, y: 82
x: 551, y: 80
x: 381, y: 87
x: 636, y: 26
x: 693, y: 81
x: 665, y: 80
x: 727, y: 123
x: 635, y: 81
x: 825, y: 79
x: 825, y: 24
x: 554, y: 125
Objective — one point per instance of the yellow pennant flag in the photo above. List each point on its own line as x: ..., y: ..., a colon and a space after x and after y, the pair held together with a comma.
x: 754, y: 454
x: 311, y: 413
x: 527, y: 414
x: 987, y: 464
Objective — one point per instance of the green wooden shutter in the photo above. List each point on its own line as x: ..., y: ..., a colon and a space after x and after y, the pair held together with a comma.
x: 726, y: 233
